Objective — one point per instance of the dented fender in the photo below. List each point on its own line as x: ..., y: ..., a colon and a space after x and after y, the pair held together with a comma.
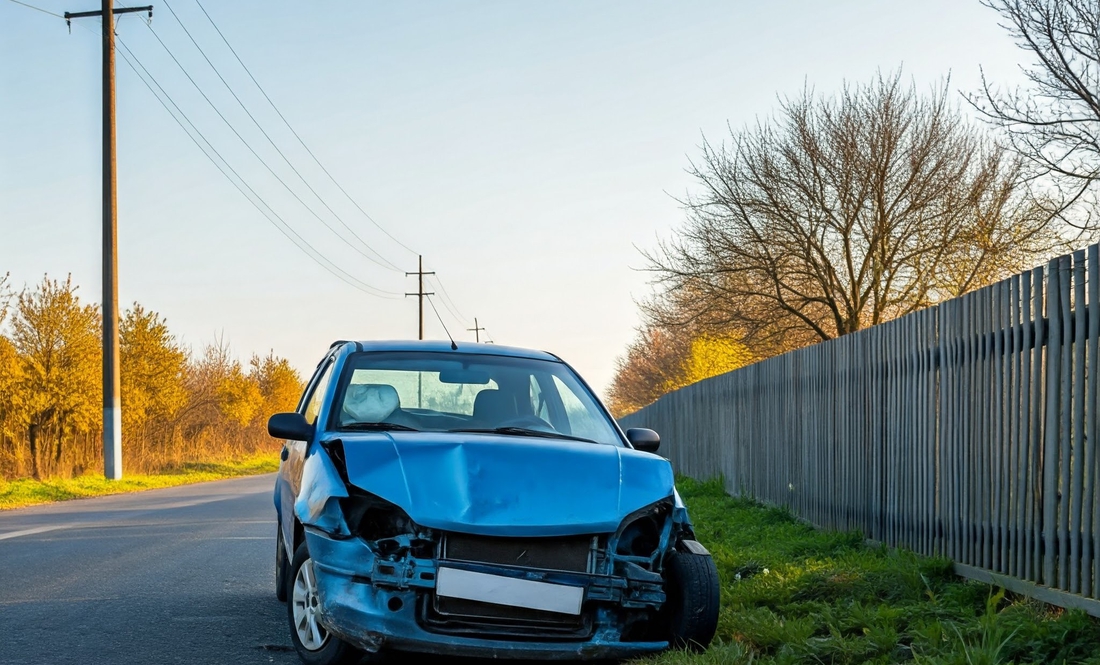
x: 316, y: 504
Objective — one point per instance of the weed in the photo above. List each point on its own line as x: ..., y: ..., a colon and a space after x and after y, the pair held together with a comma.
x: 793, y: 594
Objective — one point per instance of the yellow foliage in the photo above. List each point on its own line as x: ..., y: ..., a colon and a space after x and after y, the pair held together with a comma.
x: 238, y: 396
x: 279, y: 383
x: 176, y: 408
x: 153, y: 369
x: 711, y: 356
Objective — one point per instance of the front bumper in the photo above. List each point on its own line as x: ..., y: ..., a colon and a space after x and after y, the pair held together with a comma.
x: 375, y: 604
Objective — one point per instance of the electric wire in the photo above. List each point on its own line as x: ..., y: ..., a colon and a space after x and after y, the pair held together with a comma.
x: 450, y: 308
x: 292, y: 131
x: 38, y: 9
x: 256, y: 154
x: 281, y: 225
x: 272, y: 142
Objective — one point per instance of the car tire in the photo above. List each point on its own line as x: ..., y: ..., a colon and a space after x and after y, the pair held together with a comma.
x: 314, y: 644
x: 281, y: 564
x: 691, y: 606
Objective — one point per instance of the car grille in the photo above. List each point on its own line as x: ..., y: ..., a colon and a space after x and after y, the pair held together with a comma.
x: 573, y: 553
x: 456, y: 616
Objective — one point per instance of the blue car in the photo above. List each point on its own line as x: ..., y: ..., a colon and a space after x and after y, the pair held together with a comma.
x: 478, y: 500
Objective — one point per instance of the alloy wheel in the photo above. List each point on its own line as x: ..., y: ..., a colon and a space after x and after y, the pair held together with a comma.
x: 306, y: 605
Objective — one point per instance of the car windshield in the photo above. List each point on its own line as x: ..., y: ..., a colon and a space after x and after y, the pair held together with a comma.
x: 451, y: 392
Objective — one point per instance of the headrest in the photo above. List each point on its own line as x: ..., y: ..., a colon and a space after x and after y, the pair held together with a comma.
x: 494, y: 405
x: 369, y: 402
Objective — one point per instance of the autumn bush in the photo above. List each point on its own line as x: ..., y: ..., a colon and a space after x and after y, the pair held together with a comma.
x: 179, y: 406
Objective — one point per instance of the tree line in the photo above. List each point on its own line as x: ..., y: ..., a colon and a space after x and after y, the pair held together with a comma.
x: 841, y: 211
x: 177, y: 405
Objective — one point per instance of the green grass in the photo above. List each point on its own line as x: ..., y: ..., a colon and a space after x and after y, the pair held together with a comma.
x: 27, y: 492
x: 793, y: 594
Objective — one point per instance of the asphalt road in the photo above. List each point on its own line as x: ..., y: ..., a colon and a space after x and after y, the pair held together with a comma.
x: 180, y: 575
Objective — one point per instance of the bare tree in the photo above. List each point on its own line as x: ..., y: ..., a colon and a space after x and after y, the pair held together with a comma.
x: 843, y: 212
x: 1054, y: 121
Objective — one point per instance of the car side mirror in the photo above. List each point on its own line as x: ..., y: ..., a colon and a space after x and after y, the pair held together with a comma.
x: 291, y: 426
x: 643, y: 439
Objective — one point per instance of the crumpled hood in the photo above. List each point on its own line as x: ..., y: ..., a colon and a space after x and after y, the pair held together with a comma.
x: 505, y: 485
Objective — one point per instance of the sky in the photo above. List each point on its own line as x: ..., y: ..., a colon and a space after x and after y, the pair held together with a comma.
x: 528, y: 150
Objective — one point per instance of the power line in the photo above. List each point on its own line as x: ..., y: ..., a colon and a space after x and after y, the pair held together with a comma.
x: 451, y: 307
x: 228, y: 87
x: 448, y: 301
x: 256, y: 154
x: 281, y: 225
x: 285, y: 228
x: 300, y: 140
x: 37, y: 9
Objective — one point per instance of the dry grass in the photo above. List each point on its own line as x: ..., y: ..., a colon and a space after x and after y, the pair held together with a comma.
x: 27, y: 492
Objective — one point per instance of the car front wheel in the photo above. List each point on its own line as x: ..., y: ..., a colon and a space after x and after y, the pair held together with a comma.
x: 691, y: 607
x: 314, y: 644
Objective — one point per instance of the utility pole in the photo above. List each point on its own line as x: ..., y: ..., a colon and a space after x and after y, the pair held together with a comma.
x: 420, y: 291
x: 112, y: 411
x: 476, y: 330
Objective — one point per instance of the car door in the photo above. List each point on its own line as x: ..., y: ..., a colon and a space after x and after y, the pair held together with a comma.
x: 294, y: 452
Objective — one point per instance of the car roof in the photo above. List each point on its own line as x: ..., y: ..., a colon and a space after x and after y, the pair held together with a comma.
x: 445, y: 347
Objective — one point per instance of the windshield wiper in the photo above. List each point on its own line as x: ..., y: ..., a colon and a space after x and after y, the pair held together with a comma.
x: 521, y: 431
x: 378, y: 427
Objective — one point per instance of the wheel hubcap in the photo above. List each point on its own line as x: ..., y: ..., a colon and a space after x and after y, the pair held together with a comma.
x: 305, y: 607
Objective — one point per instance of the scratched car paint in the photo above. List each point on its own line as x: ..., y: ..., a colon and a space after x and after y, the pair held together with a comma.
x: 478, y: 501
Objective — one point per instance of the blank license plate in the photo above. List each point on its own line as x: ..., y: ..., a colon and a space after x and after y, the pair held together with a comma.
x: 498, y: 590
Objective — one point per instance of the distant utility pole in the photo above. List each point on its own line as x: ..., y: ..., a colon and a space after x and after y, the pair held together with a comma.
x: 112, y: 410
x: 420, y: 291
x: 476, y: 330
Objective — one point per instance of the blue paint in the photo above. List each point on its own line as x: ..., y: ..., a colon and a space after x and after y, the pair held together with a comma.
x: 506, y: 486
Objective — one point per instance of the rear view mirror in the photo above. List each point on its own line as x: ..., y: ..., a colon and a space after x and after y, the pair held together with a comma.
x: 643, y: 439
x: 469, y: 376
x: 291, y: 426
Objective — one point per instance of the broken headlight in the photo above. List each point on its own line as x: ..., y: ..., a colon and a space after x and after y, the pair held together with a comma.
x: 641, y: 532
x: 373, y: 518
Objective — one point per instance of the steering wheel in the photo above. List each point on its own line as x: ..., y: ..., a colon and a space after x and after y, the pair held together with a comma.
x: 528, y: 422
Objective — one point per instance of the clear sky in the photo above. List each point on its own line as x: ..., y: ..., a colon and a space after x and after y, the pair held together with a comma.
x: 524, y: 148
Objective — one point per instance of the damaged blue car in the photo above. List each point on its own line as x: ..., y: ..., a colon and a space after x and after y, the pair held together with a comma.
x: 478, y: 500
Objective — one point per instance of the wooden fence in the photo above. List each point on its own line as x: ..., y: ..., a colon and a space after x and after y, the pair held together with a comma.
x: 966, y: 430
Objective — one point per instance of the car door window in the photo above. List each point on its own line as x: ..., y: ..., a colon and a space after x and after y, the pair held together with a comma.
x: 313, y: 405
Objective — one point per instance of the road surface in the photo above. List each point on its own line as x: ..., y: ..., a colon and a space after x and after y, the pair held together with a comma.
x: 180, y: 575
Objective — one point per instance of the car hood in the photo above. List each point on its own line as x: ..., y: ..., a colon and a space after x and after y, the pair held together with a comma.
x: 506, y: 485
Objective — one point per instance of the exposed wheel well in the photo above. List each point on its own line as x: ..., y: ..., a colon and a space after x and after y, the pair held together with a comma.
x: 299, y: 536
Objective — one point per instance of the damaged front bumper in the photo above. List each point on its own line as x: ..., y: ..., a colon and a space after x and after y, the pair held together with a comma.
x: 376, y: 602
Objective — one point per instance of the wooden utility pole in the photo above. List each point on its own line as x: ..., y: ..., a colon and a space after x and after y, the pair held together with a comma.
x: 420, y: 290
x: 476, y: 330
x: 112, y: 410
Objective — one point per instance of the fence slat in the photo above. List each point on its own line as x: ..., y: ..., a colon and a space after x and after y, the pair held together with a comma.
x: 1065, y: 411
x: 1017, y: 416
x: 1076, y: 485
x: 1091, y: 546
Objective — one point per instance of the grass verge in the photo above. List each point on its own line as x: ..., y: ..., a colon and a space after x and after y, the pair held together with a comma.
x: 793, y: 594
x: 27, y: 492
